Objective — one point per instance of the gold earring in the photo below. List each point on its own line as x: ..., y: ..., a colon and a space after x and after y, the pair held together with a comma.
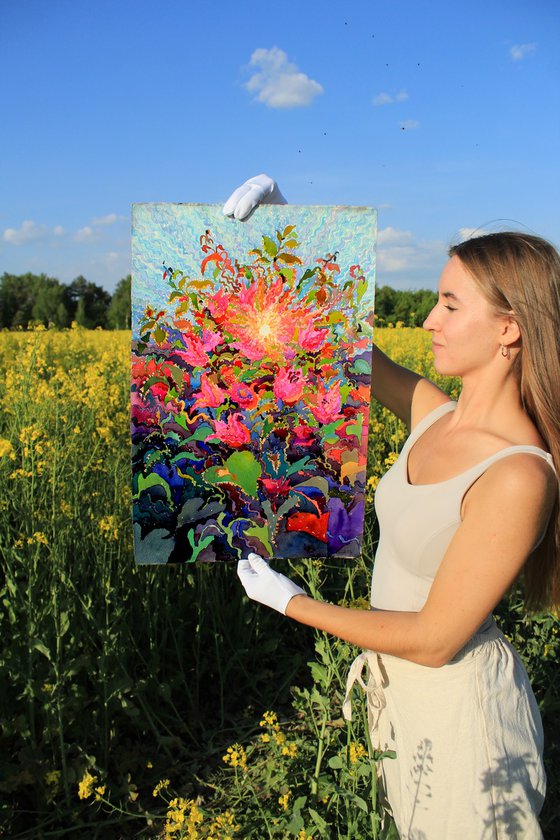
x: 506, y: 352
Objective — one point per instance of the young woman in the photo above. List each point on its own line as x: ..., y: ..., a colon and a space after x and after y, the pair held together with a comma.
x: 471, y: 503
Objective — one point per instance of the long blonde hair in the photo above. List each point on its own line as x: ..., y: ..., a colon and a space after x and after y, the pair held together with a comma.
x: 520, y: 273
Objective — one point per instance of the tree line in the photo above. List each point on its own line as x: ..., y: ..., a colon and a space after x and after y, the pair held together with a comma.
x: 29, y: 299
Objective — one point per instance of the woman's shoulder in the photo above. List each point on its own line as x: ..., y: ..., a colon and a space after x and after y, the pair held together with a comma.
x: 427, y: 399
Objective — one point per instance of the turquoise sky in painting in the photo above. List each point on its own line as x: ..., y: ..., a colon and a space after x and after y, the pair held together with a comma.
x: 442, y: 115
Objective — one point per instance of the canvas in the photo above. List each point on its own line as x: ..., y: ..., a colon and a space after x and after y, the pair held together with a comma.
x: 251, y: 371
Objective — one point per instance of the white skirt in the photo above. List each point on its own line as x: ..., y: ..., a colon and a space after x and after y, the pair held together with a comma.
x: 468, y: 738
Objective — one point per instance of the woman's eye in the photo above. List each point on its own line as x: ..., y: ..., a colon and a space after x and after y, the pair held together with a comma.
x: 451, y: 308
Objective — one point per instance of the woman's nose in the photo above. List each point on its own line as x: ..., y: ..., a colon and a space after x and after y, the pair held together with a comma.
x: 430, y: 322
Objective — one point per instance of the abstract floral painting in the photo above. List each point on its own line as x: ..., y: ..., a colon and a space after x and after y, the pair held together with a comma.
x: 251, y: 371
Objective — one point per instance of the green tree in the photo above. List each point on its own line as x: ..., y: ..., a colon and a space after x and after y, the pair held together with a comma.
x: 119, y: 312
x: 51, y: 303
x: 90, y: 303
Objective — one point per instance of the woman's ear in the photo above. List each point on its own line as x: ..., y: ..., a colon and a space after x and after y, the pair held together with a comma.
x: 510, y: 330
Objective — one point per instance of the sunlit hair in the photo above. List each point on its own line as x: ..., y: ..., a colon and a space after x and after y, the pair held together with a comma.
x: 520, y: 273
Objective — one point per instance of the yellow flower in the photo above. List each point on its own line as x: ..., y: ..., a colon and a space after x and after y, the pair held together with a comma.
x: 304, y: 836
x: 265, y: 738
x: 162, y: 785
x: 224, y: 826
x: 357, y: 751
x: 279, y: 737
x: 290, y: 750
x: 236, y: 756
x: 284, y: 799
x: 99, y: 791
x: 182, y: 815
x: 270, y: 719
x: 85, y: 788
x: 108, y: 527
x: 6, y: 449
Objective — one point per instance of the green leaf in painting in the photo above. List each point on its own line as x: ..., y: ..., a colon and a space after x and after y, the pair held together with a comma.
x: 299, y: 465
x: 201, y: 432
x: 241, y: 469
x: 261, y: 533
x: 308, y: 273
x: 270, y: 246
x: 337, y: 318
x: 160, y: 335
x: 153, y: 480
x: 362, y: 286
x: 290, y: 259
x: 361, y: 366
x: 197, y: 547
x: 287, y: 230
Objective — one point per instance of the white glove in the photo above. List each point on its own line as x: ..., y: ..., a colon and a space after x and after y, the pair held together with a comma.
x: 263, y: 584
x: 258, y: 190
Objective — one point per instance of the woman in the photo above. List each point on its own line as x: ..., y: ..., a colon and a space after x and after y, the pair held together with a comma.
x: 471, y: 503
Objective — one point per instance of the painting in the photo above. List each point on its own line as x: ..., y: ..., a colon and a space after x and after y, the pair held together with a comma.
x: 250, y: 381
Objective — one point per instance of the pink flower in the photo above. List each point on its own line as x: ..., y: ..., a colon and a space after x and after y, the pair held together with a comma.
x: 218, y: 304
x: 327, y: 404
x: 210, y: 395
x: 276, y: 486
x: 289, y: 385
x: 303, y: 435
x: 195, y: 354
x: 311, y: 339
x: 159, y: 389
x: 210, y: 340
x: 243, y: 395
x: 232, y: 432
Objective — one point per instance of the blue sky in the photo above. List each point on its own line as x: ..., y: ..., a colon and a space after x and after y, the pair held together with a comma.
x: 443, y: 116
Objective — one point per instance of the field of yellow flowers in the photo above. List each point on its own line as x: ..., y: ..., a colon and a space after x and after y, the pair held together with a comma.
x: 156, y: 701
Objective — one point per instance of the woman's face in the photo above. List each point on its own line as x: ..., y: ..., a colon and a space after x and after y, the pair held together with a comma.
x: 466, y: 331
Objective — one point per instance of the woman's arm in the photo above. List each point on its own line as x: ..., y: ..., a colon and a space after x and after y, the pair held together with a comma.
x: 404, y: 392
x: 506, y: 511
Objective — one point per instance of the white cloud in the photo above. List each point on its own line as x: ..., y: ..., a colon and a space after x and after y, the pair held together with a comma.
x: 27, y: 232
x: 393, y: 236
x: 400, y: 253
x: 109, y: 219
x: 279, y: 83
x: 409, y: 125
x: 519, y: 51
x: 83, y: 233
x: 470, y: 233
x: 386, y: 99
x: 58, y: 230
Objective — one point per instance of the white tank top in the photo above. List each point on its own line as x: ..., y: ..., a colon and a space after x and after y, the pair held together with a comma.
x: 418, y: 521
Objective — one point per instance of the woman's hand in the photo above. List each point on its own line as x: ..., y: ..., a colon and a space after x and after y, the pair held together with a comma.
x: 263, y: 584
x: 257, y: 190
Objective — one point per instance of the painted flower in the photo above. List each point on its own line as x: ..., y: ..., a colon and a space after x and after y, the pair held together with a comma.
x: 243, y: 395
x: 276, y: 486
x: 312, y: 339
x: 210, y: 340
x: 159, y: 389
x: 344, y: 525
x: 326, y: 405
x: 309, y: 523
x: 303, y: 435
x: 210, y: 394
x: 232, y: 431
x: 289, y: 385
x: 264, y: 317
x: 195, y: 353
